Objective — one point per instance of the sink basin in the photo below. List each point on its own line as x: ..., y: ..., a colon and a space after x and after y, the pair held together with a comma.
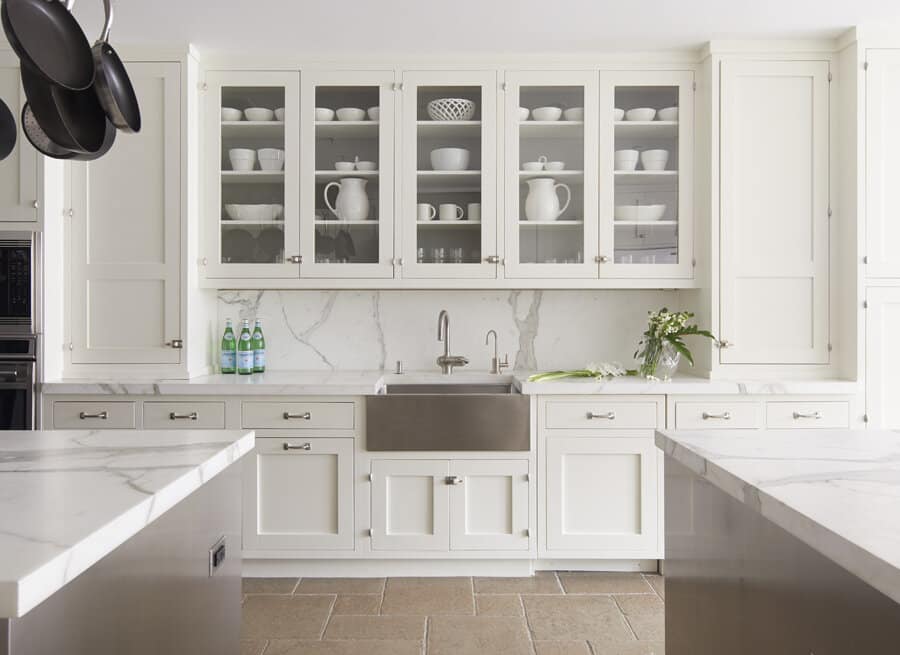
x: 448, y: 417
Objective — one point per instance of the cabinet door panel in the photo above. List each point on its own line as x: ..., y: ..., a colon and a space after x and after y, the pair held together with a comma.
x: 774, y: 183
x: 410, y: 505
x: 883, y: 358
x: 19, y: 171
x: 299, y: 497
x: 489, y: 507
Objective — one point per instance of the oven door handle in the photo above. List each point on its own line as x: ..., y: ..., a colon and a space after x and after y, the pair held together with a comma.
x: 9, y: 375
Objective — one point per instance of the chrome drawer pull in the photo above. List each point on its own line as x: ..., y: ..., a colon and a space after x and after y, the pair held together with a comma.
x: 609, y: 416
x: 453, y: 480
x: 305, y: 416
x: 290, y: 446
x: 101, y: 415
x: 815, y: 415
x: 725, y: 416
x: 189, y: 417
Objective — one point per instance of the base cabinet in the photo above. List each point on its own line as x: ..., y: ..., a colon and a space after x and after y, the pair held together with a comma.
x: 883, y: 357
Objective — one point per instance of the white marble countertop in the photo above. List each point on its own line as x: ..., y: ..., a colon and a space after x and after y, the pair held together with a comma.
x: 69, y: 498
x: 838, y: 491
x: 361, y: 383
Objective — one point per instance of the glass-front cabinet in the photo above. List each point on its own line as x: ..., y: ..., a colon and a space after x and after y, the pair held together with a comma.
x: 252, y: 172
x: 646, y: 161
x: 551, y: 164
x: 448, y: 220
x: 347, y: 174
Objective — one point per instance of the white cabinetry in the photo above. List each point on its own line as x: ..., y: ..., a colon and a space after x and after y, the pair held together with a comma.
x: 883, y: 358
x: 489, y: 505
x: 410, y: 505
x: 19, y: 171
x: 774, y: 212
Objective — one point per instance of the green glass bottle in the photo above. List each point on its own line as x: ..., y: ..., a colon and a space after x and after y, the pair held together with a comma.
x: 258, y: 343
x: 228, y: 355
x: 244, y: 350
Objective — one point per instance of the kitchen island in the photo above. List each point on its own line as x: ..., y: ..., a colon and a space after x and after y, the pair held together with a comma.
x: 120, y: 541
x: 782, y: 542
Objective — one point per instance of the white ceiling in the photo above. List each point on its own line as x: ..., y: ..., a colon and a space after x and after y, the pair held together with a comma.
x: 378, y: 27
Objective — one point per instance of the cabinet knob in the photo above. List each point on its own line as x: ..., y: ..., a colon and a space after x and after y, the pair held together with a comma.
x: 601, y: 259
x: 492, y: 259
x: 178, y: 344
x: 296, y: 259
x: 36, y: 204
x: 290, y: 446
x: 725, y: 344
x: 453, y: 480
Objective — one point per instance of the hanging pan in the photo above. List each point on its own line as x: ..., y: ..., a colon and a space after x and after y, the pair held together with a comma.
x: 8, y: 131
x: 46, y: 37
x: 43, y: 144
x: 111, y: 82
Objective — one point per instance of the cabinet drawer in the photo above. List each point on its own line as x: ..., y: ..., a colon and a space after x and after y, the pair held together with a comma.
x: 794, y: 414
x: 718, y: 415
x: 298, y: 416
x: 178, y: 416
x: 599, y: 414
x: 72, y: 415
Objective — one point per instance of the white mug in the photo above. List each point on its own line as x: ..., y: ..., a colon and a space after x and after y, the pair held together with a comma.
x: 474, y: 212
x: 425, y: 212
x: 450, y: 212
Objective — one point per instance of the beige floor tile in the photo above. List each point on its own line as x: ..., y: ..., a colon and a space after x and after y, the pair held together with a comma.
x: 477, y: 635
x: 357, y: 604
x: 285, y: 617
x: 564, y: 618
x: 649, y: 627
x: 641, y: 604
x: 658, y: 583
x: 543, y: 582
x: 404, y: 628
x: 340, y: 586
x: 252, y: 646
x: 428, y: 596
x: 634, y: 648
x: 498, y: 605
x: 349, y: 647
x: 268, y: 585
x: 561, y: 648
x: 604, y: 583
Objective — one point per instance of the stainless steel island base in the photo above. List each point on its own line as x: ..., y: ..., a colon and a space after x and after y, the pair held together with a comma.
x: 157, y: 593
x: 736, y: 583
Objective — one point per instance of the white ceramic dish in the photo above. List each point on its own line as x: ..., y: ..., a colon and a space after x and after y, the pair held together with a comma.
x: 323, y: 114
x: 450, y: 159
x: 642, y: 213
x: 618, y: 114
x: 351, y: 114
x: 344, y: 165
x: 366, y: 165
x: 555, y: 166
x: 230, y: 114
x: 654, y: 160
x: 574, y: 114
x: 242, y: 159
x: 533, y: 166
x: 640, y: 114
x: 451, y: 109
x: 546, y: 113
x: 259, y: 114
x: 626, y: 160
x: 667, y: 114
x: 270, y: 159
x: 374, y: 113
x: 254, y: 212
x: 524, y: 113
x: 279, y: 114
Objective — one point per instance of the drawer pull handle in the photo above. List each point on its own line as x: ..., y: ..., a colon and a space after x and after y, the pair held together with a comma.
x: 290, y: 446
x: 815, y: 415
x: 725, y: 416
x: 453, y: 480
x: 305, y: 416
x: 101, y: 415
x: 609, y: 416
x: 187, y: 417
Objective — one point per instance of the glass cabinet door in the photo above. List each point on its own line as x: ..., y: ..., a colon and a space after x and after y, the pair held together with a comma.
x: 646, y: 149
x: 551, y: 174
x: 347, y: 188
x: 252, y: 149
x: 449, y: 146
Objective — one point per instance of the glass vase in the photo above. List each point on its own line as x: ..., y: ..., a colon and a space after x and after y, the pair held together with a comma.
x: 660, y: 361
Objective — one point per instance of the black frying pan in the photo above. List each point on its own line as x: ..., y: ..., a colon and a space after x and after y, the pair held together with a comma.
x: 111, y: 82
x: 8, y: 131
x: 43, y: 144
x: 46, y: 36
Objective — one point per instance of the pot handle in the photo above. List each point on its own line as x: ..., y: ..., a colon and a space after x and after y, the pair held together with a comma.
x: 325, y: 194
x: 568, y: 197
x: 107, y: 24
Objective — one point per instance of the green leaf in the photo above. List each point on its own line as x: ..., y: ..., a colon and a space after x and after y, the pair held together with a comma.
x: 683, y: 349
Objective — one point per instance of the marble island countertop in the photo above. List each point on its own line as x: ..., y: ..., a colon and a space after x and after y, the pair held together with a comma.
x: 838, y: 491
x: 69, y: 498
x: 361, y: 383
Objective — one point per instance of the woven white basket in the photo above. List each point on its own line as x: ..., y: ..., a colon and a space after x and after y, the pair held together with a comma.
x: 451, y: 109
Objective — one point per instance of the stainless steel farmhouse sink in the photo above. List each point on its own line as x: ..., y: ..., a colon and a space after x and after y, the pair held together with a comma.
x: 448, y: 417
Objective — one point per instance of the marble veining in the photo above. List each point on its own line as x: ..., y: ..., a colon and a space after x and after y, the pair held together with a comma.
x: 69, y: 498
x: 838, y: 491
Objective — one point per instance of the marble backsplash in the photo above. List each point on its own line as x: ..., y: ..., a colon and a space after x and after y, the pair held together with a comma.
x: 365, y: 330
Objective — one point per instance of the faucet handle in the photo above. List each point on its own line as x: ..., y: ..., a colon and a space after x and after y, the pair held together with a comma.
x: 504, y: 364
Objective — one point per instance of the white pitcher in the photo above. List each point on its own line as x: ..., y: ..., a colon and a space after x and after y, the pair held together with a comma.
x: 542, y: 203
x: 352, y: 202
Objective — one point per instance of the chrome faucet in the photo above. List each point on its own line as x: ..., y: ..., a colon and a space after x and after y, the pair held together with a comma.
x: 447, y: 361
x: 496, y: 364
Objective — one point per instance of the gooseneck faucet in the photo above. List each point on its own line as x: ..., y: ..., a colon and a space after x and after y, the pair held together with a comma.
x: 446, y: 362
x: 496, y: 364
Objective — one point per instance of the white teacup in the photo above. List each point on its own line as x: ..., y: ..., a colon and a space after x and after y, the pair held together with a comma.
x: 344, y: 165
x: 473, y: 211
x: 554, y: 166
x: 533, y: 166
x: 425, y: 212
x: 449, y: 211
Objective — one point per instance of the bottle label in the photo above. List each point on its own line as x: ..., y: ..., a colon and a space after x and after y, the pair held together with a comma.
x: 245, y: 360
x: 259, y: 359
x: 227, y: 361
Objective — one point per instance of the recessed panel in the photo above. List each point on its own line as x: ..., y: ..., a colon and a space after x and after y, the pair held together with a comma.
x: 125, y: 313
x: 410, y: 505
x: 489, y: 505
x: 601, y: 493
x: 775, y: 313
x: 298, y: 494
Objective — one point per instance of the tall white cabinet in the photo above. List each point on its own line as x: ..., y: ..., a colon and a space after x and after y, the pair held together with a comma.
x: 19, y: 179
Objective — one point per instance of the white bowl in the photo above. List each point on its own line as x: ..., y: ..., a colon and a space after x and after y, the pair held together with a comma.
x: 279, y: 114
x: 451, y: 109
x: 555, y: 166
x: 450, y: 159
x: 546, y: 113
x: 254, y: 212
x: 374, y: 113
x: 259, y: 114
x: 626, y: 160
x: 344, y: 165
x: 242, y: 159
x: 625, y: 212
x: 366, y: 166
x: 640, y: 114
x: 524, y: 112
x: 231, y: 114
x: 351, y: 114
x: 533, y: 166
x: 574, y: 114
x: 667, y: 114
x: 270, y: 159
x: 644, y: 213
x: 323, y: 114
x: 618, y: 114
x: 654, y: 160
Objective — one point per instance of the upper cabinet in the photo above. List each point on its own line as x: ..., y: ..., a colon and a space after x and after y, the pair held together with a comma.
x: 19, y: 171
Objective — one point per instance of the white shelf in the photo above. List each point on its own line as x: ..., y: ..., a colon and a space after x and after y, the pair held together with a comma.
x: 346, y: 129
x: 367, y: 222
x: 252, y: 128
x: 448, y: 224
x: 555, y: 129
x: 644, y: 223
x: 529, y: 175
x: 645, y: 177
x: 252, y: 177
x: 647, y: 129
x: 449, y: 181
x: 556, y: 223
x: 445, y: 128
x: 336, y: 175
x: 227, y: 222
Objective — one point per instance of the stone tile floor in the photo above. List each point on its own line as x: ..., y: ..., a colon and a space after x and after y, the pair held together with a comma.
x: 550, y: 614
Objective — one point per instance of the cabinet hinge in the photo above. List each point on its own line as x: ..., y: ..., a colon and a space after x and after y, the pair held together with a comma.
x: 694, y: 262
x: 829, y: 212
x: 865, y: 304
x: 526, y: 532
x: 830, y: 348
x: 829, y: 77
x: 865, y: 418
x: 865, y: 259
x: 371, y: 477
x: 865, y: 65
x: 694, y: 86
x: 371, y: 532
x: 527, y: 477
x: 503, y: 86
x: 70, y: 345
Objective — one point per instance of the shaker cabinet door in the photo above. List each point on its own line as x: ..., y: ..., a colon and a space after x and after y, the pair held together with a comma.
x: 19, y: 171
x: 410, y: 505
x: 489, y: 505
x: 883, y: 358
